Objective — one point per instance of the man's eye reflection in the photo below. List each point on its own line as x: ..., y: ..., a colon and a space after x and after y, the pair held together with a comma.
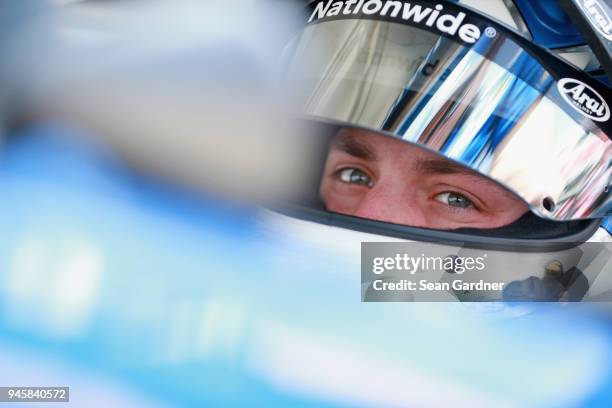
x: 454, y: 200
x: 355, y: 176
x: 376, y: 177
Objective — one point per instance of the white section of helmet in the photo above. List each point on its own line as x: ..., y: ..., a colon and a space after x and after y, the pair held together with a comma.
x: 591, y: 259
x: 535, y: 264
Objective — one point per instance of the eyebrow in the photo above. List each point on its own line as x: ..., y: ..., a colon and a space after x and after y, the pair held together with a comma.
x: 355, y: 147
x: 442, y: 166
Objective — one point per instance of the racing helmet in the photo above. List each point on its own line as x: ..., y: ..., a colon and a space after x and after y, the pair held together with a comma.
x: 463, y: 125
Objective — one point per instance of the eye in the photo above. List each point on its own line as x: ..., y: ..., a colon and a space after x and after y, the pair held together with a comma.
x: 355, y: 176
x: 454, y: 200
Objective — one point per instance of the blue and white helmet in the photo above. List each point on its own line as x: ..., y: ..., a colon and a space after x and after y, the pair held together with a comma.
x: 515, y: 93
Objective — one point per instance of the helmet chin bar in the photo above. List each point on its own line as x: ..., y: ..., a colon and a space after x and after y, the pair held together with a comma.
x: 521, y: 269
x: 529, y: 233
x: 530, y: 226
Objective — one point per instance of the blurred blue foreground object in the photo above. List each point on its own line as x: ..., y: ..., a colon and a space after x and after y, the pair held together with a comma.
x: 136, y: 294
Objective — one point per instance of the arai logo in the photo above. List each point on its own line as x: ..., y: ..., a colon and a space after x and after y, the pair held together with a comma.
x: 596, y: 12
x: 584, y: 99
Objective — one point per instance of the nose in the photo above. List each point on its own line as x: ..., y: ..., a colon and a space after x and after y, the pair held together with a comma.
x: 394, y: 204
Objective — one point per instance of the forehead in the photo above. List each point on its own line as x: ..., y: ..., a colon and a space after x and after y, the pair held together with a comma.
x: 373, y: 146
x: 377, y: 148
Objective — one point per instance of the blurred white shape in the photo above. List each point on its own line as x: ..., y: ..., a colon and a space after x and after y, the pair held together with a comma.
x: 25, y: 282
x: 221, y: 329
x: 209, y: 330
x: 72, y: 293
x: 341, y: 372
x: 180, y: 331
x: 52, y: 287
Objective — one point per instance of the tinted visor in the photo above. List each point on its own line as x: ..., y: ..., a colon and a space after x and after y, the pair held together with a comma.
x: 442, y: 77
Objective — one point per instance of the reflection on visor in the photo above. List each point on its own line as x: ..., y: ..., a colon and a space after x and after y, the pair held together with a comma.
x: 491, y: 107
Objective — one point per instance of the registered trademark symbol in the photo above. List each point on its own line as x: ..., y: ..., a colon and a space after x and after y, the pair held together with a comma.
x: 490, y: 32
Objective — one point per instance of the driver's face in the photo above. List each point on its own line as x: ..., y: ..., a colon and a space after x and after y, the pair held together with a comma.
x: 370, y: 176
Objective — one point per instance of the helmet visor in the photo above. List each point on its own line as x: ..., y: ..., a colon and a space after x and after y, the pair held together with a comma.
x: 442, y: 77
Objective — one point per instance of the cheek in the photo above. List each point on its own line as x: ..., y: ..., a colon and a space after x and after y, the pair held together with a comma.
x: 440, y: 216
x: 504, y: 216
